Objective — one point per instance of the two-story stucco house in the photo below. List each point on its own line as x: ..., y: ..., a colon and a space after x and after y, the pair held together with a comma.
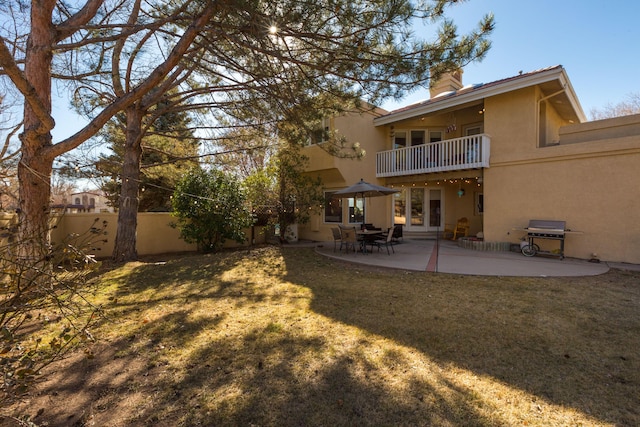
x: 499, y: 154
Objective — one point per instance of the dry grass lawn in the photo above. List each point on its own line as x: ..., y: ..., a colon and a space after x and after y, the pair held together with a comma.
x: 283, y: 336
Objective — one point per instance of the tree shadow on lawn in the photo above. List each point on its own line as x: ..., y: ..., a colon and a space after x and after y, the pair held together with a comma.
x: 190, y: 367
x: 571, y: 341
x: 115, y: 384
x: 381, y: 348
x: 278, y: 389
x: 269, y: 377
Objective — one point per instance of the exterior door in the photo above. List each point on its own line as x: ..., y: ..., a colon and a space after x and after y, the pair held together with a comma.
x: 436, y: 205
x: 419, y: 209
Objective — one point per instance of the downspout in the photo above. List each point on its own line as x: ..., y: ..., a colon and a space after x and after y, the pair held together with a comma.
x: 564, y: 87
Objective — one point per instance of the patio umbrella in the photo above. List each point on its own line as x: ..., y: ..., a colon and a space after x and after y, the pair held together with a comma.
x: 365, y: 189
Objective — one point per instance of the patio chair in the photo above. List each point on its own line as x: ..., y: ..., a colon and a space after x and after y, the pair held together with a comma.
x: 397, y: 232
x: 386, y: 242
x: 349, y: 238
x: 462, y: 228
x: 337, y: 237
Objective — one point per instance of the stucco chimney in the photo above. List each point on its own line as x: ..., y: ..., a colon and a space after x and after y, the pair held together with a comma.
x: 448, y: 82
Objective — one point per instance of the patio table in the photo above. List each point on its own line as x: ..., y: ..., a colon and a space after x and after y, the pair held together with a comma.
x: 366, y: 236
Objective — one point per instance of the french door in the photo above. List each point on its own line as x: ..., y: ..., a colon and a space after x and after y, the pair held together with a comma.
x: 419, y: 209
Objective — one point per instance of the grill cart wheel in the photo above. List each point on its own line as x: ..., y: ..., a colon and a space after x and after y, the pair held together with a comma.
x: 530, y: 250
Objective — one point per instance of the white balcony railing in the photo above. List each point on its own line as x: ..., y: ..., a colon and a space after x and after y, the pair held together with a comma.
x: 469, y: 152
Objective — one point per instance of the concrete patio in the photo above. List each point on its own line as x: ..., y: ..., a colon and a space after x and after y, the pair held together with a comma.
x: 446, y: 257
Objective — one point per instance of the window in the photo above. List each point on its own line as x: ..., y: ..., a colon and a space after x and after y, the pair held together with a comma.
x: 400, y: 207
x: 77, y: 201
x: 417, y: 137
x: 400, y: 139
x: 417, y: 206
x: 435, y: 136
x: 356, y: 210
x: 403, y: 138
x: 332, y: 207
x: 92, y: 202
x: 473, y: 130
x: 321, y: 133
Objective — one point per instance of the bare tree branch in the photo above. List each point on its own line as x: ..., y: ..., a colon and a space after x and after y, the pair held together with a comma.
x: 20, y: 81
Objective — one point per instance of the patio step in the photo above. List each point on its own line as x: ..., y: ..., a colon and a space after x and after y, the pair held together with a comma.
x: 419, y: 235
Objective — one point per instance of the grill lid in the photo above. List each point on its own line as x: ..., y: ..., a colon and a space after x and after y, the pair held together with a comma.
x: 546, y: 227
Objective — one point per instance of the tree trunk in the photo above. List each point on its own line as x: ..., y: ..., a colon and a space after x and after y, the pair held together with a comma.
x: 36, y: 164
x: 125, y: 243
x: 282, y: 201
x: 34, y: 174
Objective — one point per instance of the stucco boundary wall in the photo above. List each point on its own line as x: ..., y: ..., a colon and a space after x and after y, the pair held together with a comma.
x: 154, y: 234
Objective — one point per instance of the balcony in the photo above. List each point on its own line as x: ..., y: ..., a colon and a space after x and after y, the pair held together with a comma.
x: 469, y: 152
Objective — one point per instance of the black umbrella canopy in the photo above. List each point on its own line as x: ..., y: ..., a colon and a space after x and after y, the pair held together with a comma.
x: 365, y: 189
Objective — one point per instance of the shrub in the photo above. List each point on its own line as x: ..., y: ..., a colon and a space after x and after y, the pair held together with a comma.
x: 210, y: 208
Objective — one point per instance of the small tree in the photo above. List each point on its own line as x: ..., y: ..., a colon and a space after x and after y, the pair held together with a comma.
x: 210, y: 208
x: 298, y: 194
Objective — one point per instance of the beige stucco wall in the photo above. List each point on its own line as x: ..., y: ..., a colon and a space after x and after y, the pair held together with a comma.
x: 154, y: 235
x: 591, y: 185
x: 510, y: 121
x: 618, y: 127
x: 338, y: 173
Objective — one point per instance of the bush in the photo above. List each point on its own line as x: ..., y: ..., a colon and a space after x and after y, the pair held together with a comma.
x: 210, y: 208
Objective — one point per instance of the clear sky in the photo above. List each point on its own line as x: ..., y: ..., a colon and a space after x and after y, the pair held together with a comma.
x: 597, y: 42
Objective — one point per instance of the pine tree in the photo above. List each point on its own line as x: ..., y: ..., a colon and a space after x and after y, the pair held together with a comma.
x: 169, y: 150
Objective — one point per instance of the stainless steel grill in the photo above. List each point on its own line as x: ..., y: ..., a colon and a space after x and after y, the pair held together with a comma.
x: 544, y: 229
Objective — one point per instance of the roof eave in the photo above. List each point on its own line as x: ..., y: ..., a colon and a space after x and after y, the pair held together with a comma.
x: 484, y: 92
x: 573, y: 98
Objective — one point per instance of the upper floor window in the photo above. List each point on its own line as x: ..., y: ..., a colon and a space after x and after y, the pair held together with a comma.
x: 77, y: 201
x: 473, y: 130
x: 435, y: 135
x: 410, y: 138
x: 417, y: 137
x: 400, y: 139
x: 320, y: 134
